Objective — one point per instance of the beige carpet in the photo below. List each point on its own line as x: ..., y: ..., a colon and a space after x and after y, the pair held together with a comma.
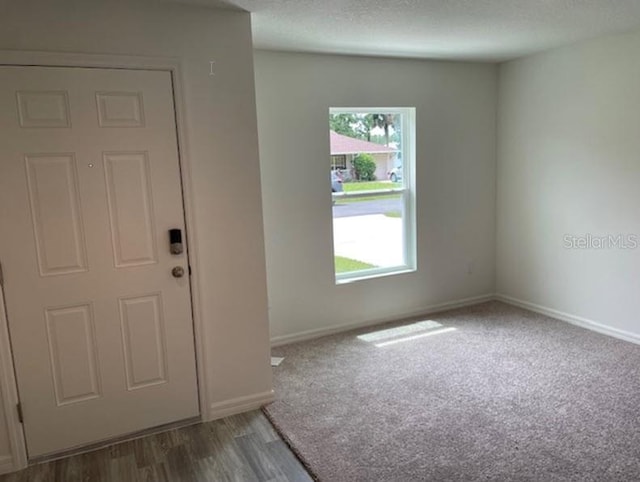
x: 489, y: 392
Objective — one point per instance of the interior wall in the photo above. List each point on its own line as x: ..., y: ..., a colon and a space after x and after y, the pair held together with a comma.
x: 222, y: 146
x: 568, y: 165
x: 456, y: 116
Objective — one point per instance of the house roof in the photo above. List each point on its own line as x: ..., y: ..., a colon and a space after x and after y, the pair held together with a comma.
x: 341, y: 144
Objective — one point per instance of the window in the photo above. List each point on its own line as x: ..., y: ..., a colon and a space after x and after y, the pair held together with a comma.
x: 338, y: 163
x: 374, y: 196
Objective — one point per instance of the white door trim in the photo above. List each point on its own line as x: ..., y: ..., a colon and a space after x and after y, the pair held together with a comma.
x: 18, y: 457
x: 172, y: 65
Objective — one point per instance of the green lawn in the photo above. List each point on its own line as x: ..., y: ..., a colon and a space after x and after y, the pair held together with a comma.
x: 358, y: 186
x: 368, y: 186
x: 347, y: 265
x: 393, y: 214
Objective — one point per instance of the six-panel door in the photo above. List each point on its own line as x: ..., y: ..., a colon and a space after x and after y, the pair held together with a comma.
x: 89, y: 187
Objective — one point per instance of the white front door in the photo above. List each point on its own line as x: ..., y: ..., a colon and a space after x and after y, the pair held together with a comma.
x: 90, y: 186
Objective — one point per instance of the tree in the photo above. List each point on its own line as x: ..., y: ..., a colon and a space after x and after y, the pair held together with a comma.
x: 385, y: 122
x: 365, y: 167
x: 342, y: 124
x: 359, y: 126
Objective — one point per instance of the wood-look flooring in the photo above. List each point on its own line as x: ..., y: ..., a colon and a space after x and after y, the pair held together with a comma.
x: 240, y: 448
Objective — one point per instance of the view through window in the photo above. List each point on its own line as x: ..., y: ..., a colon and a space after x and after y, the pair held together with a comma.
x: 372, y: 163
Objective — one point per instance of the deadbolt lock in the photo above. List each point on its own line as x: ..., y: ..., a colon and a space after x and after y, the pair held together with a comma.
x: 175, y: 241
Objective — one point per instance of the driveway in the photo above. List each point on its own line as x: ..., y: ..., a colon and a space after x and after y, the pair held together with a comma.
x: 375, y: 239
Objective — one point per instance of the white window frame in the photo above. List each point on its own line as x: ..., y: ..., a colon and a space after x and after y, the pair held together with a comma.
x: 408, y: 191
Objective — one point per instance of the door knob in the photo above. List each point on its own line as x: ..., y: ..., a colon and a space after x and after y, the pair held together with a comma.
x: 177, y: 272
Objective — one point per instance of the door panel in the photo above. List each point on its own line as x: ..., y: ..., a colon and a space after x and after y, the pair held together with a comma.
x: 43, y: 109
x: 143, y: 335
x: 89, y: 187
x: 130, y: 210
x: 72, y: 348
x: 55, y: 212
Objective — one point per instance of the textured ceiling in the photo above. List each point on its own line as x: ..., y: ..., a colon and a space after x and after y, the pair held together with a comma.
x: 489, y: 30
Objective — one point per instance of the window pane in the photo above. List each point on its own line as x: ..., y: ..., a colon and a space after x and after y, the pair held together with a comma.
x: 368, y: 233
x: 371, y: 160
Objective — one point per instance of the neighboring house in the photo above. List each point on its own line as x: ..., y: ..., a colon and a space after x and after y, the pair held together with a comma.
x: 344, y: 149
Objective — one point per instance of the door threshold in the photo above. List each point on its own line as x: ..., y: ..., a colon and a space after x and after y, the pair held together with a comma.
x: 114, y: 441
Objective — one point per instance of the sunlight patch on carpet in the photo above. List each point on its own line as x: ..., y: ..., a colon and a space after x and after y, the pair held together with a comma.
x: 404, y: 330
x: 414, y: 337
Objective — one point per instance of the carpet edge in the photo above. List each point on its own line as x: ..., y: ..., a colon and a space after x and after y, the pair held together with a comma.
x: 305, y: 463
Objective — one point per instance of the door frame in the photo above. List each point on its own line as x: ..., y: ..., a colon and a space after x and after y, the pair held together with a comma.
x: 8, y: 384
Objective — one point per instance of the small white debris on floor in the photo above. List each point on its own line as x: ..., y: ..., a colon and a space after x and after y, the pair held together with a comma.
x: 276, y: 360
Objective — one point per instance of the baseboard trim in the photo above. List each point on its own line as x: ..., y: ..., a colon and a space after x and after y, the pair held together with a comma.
x: 334, y: 329
x: 572, y: 319
x: 7, y: 464
x: 238, y: 405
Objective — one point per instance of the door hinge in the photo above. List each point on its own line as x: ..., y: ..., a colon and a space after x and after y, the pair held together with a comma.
x: 20, y: 413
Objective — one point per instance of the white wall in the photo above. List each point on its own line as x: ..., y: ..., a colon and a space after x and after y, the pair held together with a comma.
x: 223, y: 148
x: 569, y: 163
x: 455, y: 104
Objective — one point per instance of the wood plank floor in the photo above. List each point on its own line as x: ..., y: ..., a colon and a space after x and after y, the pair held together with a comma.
x: 240, y: 448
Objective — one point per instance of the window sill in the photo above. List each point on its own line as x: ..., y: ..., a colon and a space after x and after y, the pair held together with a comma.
x: 372, y: 275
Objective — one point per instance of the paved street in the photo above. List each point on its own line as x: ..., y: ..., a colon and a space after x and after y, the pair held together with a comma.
x: 378, y: 206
